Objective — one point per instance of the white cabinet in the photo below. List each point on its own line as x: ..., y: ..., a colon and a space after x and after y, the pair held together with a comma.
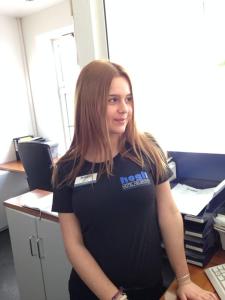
x: 55, y: 265
x: 42, y: 268
x: 11, y: 185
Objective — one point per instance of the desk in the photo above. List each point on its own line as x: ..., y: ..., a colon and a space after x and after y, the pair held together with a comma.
x: 13, y: 166
x: 198, y: 276
x: 17, y: 166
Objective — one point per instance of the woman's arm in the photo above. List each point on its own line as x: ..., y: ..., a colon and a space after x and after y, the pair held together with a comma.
x: 81, y: 259
x: 171, y: 225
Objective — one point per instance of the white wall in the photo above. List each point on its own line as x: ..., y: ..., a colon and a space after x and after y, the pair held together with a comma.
x: 15, y: 117
x: 38, y: 30
x: 35, y: 108
x: 90, y: 31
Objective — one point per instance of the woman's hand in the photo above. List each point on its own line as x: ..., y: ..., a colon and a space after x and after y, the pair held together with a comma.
x: 193, y: 292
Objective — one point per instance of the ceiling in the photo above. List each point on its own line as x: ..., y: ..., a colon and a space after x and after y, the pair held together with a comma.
x: 21, y: 8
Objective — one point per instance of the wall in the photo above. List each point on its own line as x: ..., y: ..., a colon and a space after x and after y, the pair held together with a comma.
x: 15, y: 117
x: 38, y: 30
x: 37, y: 110
x: 90, y: 31
x: 18, y: 102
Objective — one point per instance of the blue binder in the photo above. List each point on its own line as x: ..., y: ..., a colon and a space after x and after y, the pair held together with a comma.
x: 201, y: 245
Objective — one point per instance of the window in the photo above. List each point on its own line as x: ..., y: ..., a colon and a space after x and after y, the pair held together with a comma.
x: 67, y: 71
x: 175, y: 53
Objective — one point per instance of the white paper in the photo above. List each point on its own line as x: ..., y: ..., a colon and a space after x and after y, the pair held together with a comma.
x: 43, y: 204
x: 190, y: 200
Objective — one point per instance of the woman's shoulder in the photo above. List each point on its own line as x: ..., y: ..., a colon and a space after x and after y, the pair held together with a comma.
x: 64, y: 166
x: 61, y: 172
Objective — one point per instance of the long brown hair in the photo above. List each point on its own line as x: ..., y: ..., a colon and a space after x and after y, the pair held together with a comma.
x: 92, y: 91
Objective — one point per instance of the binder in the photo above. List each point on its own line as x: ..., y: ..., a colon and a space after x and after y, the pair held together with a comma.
x: 200, y: 259
x: 196, y: 219
x: 15, y: 143
x: 201, y: 245
x: 196, y: 229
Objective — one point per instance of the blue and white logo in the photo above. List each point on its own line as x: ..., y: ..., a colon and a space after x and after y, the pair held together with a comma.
x: 133, y: 181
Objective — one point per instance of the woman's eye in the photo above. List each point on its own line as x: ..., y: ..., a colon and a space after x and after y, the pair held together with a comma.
x: 112, y: 100
x: 129, y: 99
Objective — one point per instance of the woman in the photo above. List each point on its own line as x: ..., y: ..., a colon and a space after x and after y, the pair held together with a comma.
x: 114, y: 200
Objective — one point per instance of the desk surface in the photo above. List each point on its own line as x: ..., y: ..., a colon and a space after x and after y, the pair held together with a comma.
x: 13, y: 166
x: 17, y: 204
x: 198, y: 276
x: 17, y: 166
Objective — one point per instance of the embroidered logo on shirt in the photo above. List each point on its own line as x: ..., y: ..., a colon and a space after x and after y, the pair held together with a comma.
x: 134, y: 181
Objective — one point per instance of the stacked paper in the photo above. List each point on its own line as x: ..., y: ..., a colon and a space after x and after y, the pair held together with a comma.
x: 190, y: 200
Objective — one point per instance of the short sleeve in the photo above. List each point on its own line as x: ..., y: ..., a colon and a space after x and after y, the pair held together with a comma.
x: 62, y: 196
x: 162, y: 178
x: 167, y: 171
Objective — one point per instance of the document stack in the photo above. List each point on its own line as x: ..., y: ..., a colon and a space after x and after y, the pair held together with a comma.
x: 198, y: 207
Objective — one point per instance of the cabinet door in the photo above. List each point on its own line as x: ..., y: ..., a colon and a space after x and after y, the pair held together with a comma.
x: 23, y: 235
x: 3, y: 221
x: 55, y: 265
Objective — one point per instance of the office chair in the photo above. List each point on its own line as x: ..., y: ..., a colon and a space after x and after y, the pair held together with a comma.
x: 37, y: 160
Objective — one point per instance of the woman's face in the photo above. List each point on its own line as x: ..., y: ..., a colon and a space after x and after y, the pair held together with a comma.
x: 119, y: 106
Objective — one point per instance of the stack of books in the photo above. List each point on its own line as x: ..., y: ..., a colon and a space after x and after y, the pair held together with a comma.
x: 198, y: 208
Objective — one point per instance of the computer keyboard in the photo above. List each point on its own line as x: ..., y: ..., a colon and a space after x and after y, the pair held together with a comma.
x: 216, y: 276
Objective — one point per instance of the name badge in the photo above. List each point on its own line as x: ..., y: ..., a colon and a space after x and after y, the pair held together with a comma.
x: 85, y: 179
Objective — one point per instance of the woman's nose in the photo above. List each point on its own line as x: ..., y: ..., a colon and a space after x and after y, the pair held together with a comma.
x: 123, y: 107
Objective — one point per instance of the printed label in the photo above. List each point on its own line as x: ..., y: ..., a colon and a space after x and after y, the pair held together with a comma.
x: 133, y: 181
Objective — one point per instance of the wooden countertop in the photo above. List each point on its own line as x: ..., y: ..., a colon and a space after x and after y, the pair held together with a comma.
x: 16, y: 203
x: 12, y: 166
x: 17, y: 166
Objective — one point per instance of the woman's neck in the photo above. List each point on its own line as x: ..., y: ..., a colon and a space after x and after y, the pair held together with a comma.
x: 94, y: 155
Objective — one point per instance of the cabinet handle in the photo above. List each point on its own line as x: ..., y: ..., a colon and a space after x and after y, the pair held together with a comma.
x: 31, y: 247
x: 40, y: 247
